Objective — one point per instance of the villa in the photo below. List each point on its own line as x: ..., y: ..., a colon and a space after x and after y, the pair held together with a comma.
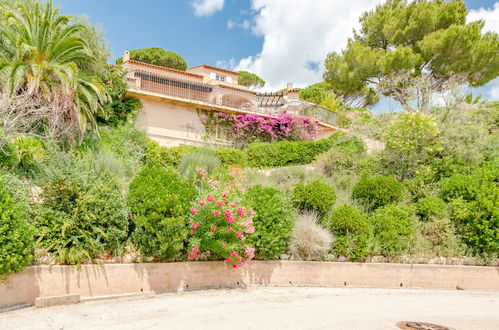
x: 172, y: 100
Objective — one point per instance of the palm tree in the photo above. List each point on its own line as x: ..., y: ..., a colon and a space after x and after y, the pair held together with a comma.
x: 43, y: 54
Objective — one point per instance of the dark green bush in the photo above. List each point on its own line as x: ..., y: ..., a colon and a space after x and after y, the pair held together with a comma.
x: 377, y: 191
x: 316, y: 196
x: 352, y: 232
x: 394, y: 230
x: 160, y: 201
x: 285, y: 153
x: 79, y: 221
x: 16, y: 236
x: 274, y: 221
x: 232, y: 157
x: 430, y: 207
x: 473, y: 201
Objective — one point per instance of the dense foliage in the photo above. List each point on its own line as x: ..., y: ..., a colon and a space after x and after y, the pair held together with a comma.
x: 250, y: 80
x: 79, y: 221
x: 159, y: 202
x: 157, y: 56
x: 315, y: 196
x: 374, y: 192
x: 352, y: 232
x: 16, y: 236
x: 274, y: 221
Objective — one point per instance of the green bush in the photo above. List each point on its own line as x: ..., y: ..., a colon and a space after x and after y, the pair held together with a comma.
x: 203, y: 158
x: 335, y: 161
x: 79, y: 221
x: 274, y: 221
x: 377, y: 191
x: 30, y: 151
x: 157, y: 56
x: 430, y: 207
x: 352, y: 232
x: 439, y: 238
x: 394, y: 230
x: 159, y: 202
x: 285, y: 153
x: 232, y: 157
x: 16, y: 236
x: 167, y: 156
x: 9, y: 156
x: 316, y: 196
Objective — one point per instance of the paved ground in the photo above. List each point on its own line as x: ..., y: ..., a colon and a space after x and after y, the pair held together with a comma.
x: 270, y: 308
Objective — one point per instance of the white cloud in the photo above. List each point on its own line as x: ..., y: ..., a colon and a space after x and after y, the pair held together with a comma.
x: 490, y: 15
x: 297, y: 35
x: 245, y: 24
x: 207, y: 7
x: 494, y: 89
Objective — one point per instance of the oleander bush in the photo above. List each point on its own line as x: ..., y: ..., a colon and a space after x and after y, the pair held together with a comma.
x: 159, y: 202
x: 352, y: 232
x: 16, y: 235
x: 221, y: 223
x: 315, y: 196
x: 79, y: 221
x: 377, y: 191
x: 309, y: 240
x: 274, y: 221
x: 394, y: 230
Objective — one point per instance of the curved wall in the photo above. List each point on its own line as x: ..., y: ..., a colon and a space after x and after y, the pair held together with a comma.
x: 92, y: 281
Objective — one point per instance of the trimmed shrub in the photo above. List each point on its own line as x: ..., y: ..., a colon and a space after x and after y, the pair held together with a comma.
x: 16, y: 236
x: 430, y: 207
x: 377, y: 191
x: 285, y: 153
x: 394, y: 230
x: 316, y: 196
x: 203, y: 158
x: 79, y: 221
x: 274, y: 221
x: 309, y: 241
x: 159, y: 202
x: 352, y: 232
x: 232, y: 157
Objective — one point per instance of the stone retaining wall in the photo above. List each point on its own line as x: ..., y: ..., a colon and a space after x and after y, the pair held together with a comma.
x: 93, y: 281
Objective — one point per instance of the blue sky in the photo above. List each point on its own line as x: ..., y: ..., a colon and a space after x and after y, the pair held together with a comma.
x: 281, y: 40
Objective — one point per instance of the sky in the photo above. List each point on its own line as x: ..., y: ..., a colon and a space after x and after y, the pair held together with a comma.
x: 280, y: 40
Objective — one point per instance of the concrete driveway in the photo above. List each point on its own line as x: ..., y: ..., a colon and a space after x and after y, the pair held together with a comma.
x: 270, y: 308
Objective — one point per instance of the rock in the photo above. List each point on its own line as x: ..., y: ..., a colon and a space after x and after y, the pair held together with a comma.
x: 284, y: 257
x: 341, y: 259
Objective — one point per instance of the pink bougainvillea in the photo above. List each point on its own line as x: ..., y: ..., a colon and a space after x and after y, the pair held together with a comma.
x: 247, y: 128
x: 221, y: 223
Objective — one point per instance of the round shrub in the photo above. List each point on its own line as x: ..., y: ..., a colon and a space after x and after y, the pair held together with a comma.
x: 430, y: 207
x: 394, y: 230
x: 16, y: 236
x: 316, y: 196
x: 274, y: 221
x: 352, y: 232
x: 159, y: 202
x: 377, y: 191
x: 79, y: 221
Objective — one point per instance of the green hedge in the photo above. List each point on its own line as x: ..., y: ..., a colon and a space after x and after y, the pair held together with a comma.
x: 285, y: 153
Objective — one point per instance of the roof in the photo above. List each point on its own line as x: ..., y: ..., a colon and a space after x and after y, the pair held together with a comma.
x: 164, y: 68
x: 214, y: 68
x: 294, y: 90
x: 236, y: 88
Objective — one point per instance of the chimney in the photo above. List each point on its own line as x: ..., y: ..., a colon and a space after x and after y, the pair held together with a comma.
x: 126, y: 56
x: 290, y: 85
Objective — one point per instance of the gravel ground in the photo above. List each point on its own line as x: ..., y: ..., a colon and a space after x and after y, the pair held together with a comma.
x: 270, y: 308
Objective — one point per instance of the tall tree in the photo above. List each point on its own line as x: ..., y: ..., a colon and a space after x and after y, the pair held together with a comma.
x: 157, y: 56
x: 250, y: 80
x: 403, y: 40
x: 44, y: 56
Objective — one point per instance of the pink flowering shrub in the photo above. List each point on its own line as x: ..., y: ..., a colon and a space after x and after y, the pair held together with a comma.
x: 220, y: 223
x: 247, y: 128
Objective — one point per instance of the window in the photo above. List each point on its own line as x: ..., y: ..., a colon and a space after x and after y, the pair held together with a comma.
x: 220, y: 78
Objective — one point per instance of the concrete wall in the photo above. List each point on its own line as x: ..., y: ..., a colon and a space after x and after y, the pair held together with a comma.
x: 170, y: 124
x: 114, y: 279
